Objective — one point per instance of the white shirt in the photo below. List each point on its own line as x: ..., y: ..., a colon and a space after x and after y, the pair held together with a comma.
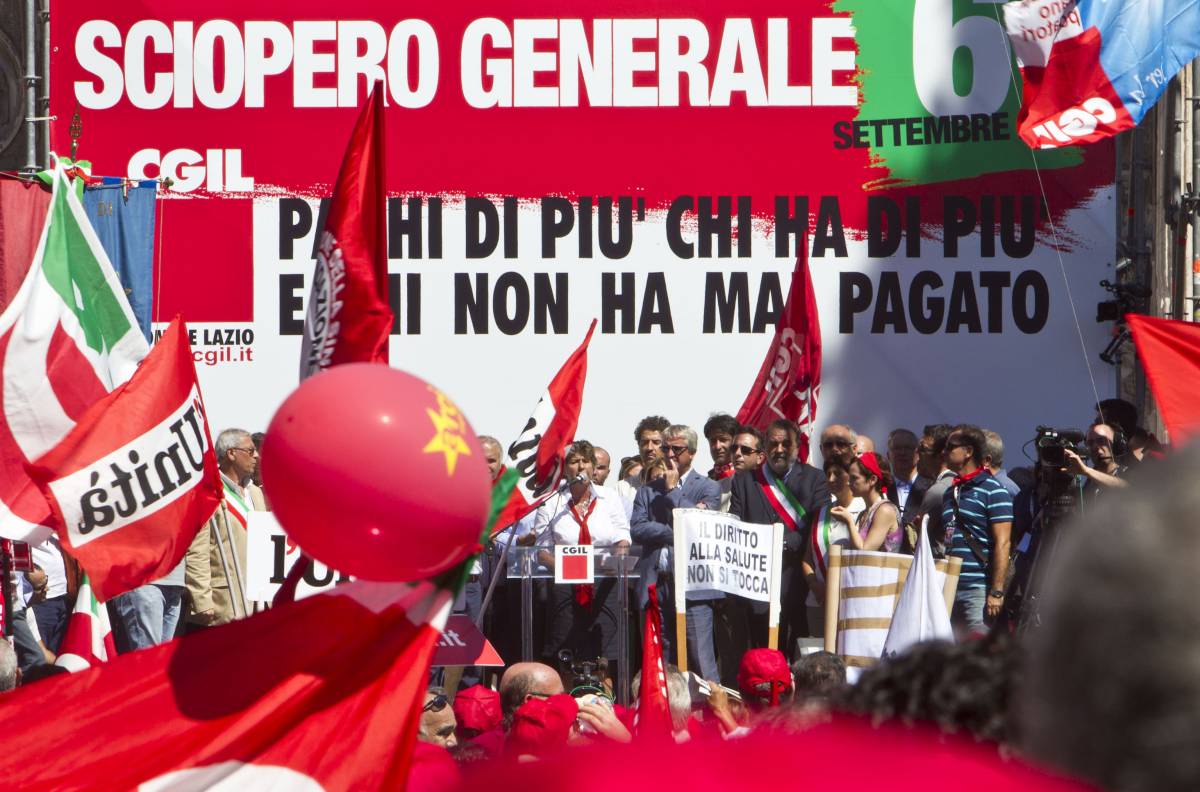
x: 48, y: 558
x: 627, y: 489
x: 607, y: 524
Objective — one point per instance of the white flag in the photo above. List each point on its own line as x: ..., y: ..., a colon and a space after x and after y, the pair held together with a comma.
x: 921, y: 612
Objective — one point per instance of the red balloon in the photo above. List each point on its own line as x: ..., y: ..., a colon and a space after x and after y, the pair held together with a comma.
x: 376, y: 473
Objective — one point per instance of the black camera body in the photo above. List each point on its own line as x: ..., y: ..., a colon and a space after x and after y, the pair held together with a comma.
x: 1052, y: 445
x: 582, y: 674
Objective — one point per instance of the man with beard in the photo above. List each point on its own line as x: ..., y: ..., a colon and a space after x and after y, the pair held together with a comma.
x: 788, y: 491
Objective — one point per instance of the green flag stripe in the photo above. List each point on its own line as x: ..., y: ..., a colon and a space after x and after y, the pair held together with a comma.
x: 72, y: 268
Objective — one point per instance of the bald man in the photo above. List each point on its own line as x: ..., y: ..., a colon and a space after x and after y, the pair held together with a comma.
x: 603, y: 466
x: 523, y: 681
x: 863, y: 445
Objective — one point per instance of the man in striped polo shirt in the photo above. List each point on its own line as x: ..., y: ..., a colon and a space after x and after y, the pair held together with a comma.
x: 977, y: 514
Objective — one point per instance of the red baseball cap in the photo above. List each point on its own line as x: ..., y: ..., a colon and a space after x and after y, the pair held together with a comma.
x: 541, y: 726
x: 764, y: 674
x: 477, y: 708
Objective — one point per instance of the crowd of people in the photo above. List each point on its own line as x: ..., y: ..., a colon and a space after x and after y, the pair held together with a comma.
x: 1110, y: 594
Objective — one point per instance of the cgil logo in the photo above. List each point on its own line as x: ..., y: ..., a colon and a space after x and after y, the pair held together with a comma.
x: 138, y: 479
x: 217, y: 170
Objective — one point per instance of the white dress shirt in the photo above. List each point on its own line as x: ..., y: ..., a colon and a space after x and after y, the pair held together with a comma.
x: 554, y: 524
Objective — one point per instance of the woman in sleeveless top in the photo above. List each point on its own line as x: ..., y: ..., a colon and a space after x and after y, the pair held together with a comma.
x: 877, y: 528
x: 827, y: 531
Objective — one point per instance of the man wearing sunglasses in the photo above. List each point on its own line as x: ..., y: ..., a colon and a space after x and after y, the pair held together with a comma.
x: 215, y: 564
x: 837, y: 443
x: 438, y: 724
x: 652, y: 527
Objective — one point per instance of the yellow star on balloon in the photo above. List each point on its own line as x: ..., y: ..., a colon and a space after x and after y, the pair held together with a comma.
x: 450, y: 428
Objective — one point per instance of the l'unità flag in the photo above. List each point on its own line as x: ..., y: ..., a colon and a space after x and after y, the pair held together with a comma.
x: 67, y: 338
x: 348, y: 317
x: 324, y: 693
x: 789, y: 381
x: 653, y: 709
x: 88, y: 640
x: 1092, y: 68
x: 537, y: 455
x: 131, y: 484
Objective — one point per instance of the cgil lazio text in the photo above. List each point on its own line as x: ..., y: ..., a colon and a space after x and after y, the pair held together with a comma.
x: 220, y: 64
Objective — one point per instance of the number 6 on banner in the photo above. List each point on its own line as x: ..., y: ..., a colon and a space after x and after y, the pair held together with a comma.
x: 933, y: 59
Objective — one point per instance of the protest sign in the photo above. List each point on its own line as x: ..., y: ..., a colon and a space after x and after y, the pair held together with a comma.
x: 270, y: 555
x: 884, y: 135
x: 715, y: 551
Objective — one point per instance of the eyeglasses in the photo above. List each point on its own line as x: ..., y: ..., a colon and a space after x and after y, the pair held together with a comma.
x: 835, y: 443
x: 678, y: 449
x: 436, y: 704
x: 746, y: 450
x: 252, y: 451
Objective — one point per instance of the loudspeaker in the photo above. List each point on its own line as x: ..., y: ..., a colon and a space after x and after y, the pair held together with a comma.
x: 12, y: 86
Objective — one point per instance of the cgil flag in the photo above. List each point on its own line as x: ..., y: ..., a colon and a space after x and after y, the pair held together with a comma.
x: 789, y: 381
x: 330, y: 699
x: 348, y: 317
x: 134, y: 480
x: 1092, y: 68
x: 88, y: 638
x: 1170, y: 353
x: 653, y: 708
x: 67, y: 338
x: 537, y: 455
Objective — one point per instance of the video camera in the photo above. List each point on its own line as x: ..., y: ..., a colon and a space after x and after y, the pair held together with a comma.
x: 1052, y: 445
x: 583, y: 675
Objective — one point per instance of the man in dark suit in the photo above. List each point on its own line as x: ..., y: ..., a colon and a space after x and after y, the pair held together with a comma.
x: 760, y: 497
x: 652, y: 527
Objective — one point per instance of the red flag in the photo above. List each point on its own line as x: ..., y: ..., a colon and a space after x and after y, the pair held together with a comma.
x: 1170, y: 352
x: 348, y: 316
x: 136, y: 477
x: 789, y: 381
x: 325, y: 690
x: 653, y: 709
x: 537, y: 454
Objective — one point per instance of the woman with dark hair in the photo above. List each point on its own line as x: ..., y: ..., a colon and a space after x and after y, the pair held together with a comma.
x: 582, y: 618
x: 827, y: 531
x: 877, y: 528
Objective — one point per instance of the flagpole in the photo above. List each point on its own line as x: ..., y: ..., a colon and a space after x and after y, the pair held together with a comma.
x: 225, y: 561
x: 487, y: 598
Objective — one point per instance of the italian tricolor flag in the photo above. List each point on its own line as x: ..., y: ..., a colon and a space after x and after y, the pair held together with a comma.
x: 67, y: 339
x: 88, y: 640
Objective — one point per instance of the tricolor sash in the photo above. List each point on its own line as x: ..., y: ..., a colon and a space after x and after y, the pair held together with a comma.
x: 782, y: 499
x: 236, y: 504
x: 826, y: 532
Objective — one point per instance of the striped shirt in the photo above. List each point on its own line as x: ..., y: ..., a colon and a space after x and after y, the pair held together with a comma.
x: 982, y: 503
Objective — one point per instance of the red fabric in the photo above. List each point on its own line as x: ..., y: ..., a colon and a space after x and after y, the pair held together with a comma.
x: 329, y: 687
x: 870, y: 460
x: 23, y: 207
x: 584, y: 593
x: 847, y: 754
x: 433, y: 770
x: 789, y: 381
x: 541, y: 725
x: 150, y: 540
x: 1170, y: 353
x: 722, y: 471
x: 764, y: 675
x: 357, y: 318
x: 537, y: 453
x: 958, y: 480
x: 478, y: 708
x: 654, y: 710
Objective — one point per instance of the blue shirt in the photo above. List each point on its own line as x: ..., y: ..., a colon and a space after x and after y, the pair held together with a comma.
x: 982, y: 502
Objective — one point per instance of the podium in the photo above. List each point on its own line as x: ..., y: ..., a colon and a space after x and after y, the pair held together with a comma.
x: 534, y: 562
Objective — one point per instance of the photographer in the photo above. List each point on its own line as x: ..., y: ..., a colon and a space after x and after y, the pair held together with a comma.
x: 1105, y: 471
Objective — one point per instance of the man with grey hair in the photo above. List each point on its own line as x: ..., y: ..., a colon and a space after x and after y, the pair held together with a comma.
x: 993, y: 460
x: 1111, y: 686
x: 10, y: 673
x: 215, y: 564
x: 679, y: 699
x: 838, y: 442
x: 652, y: 527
